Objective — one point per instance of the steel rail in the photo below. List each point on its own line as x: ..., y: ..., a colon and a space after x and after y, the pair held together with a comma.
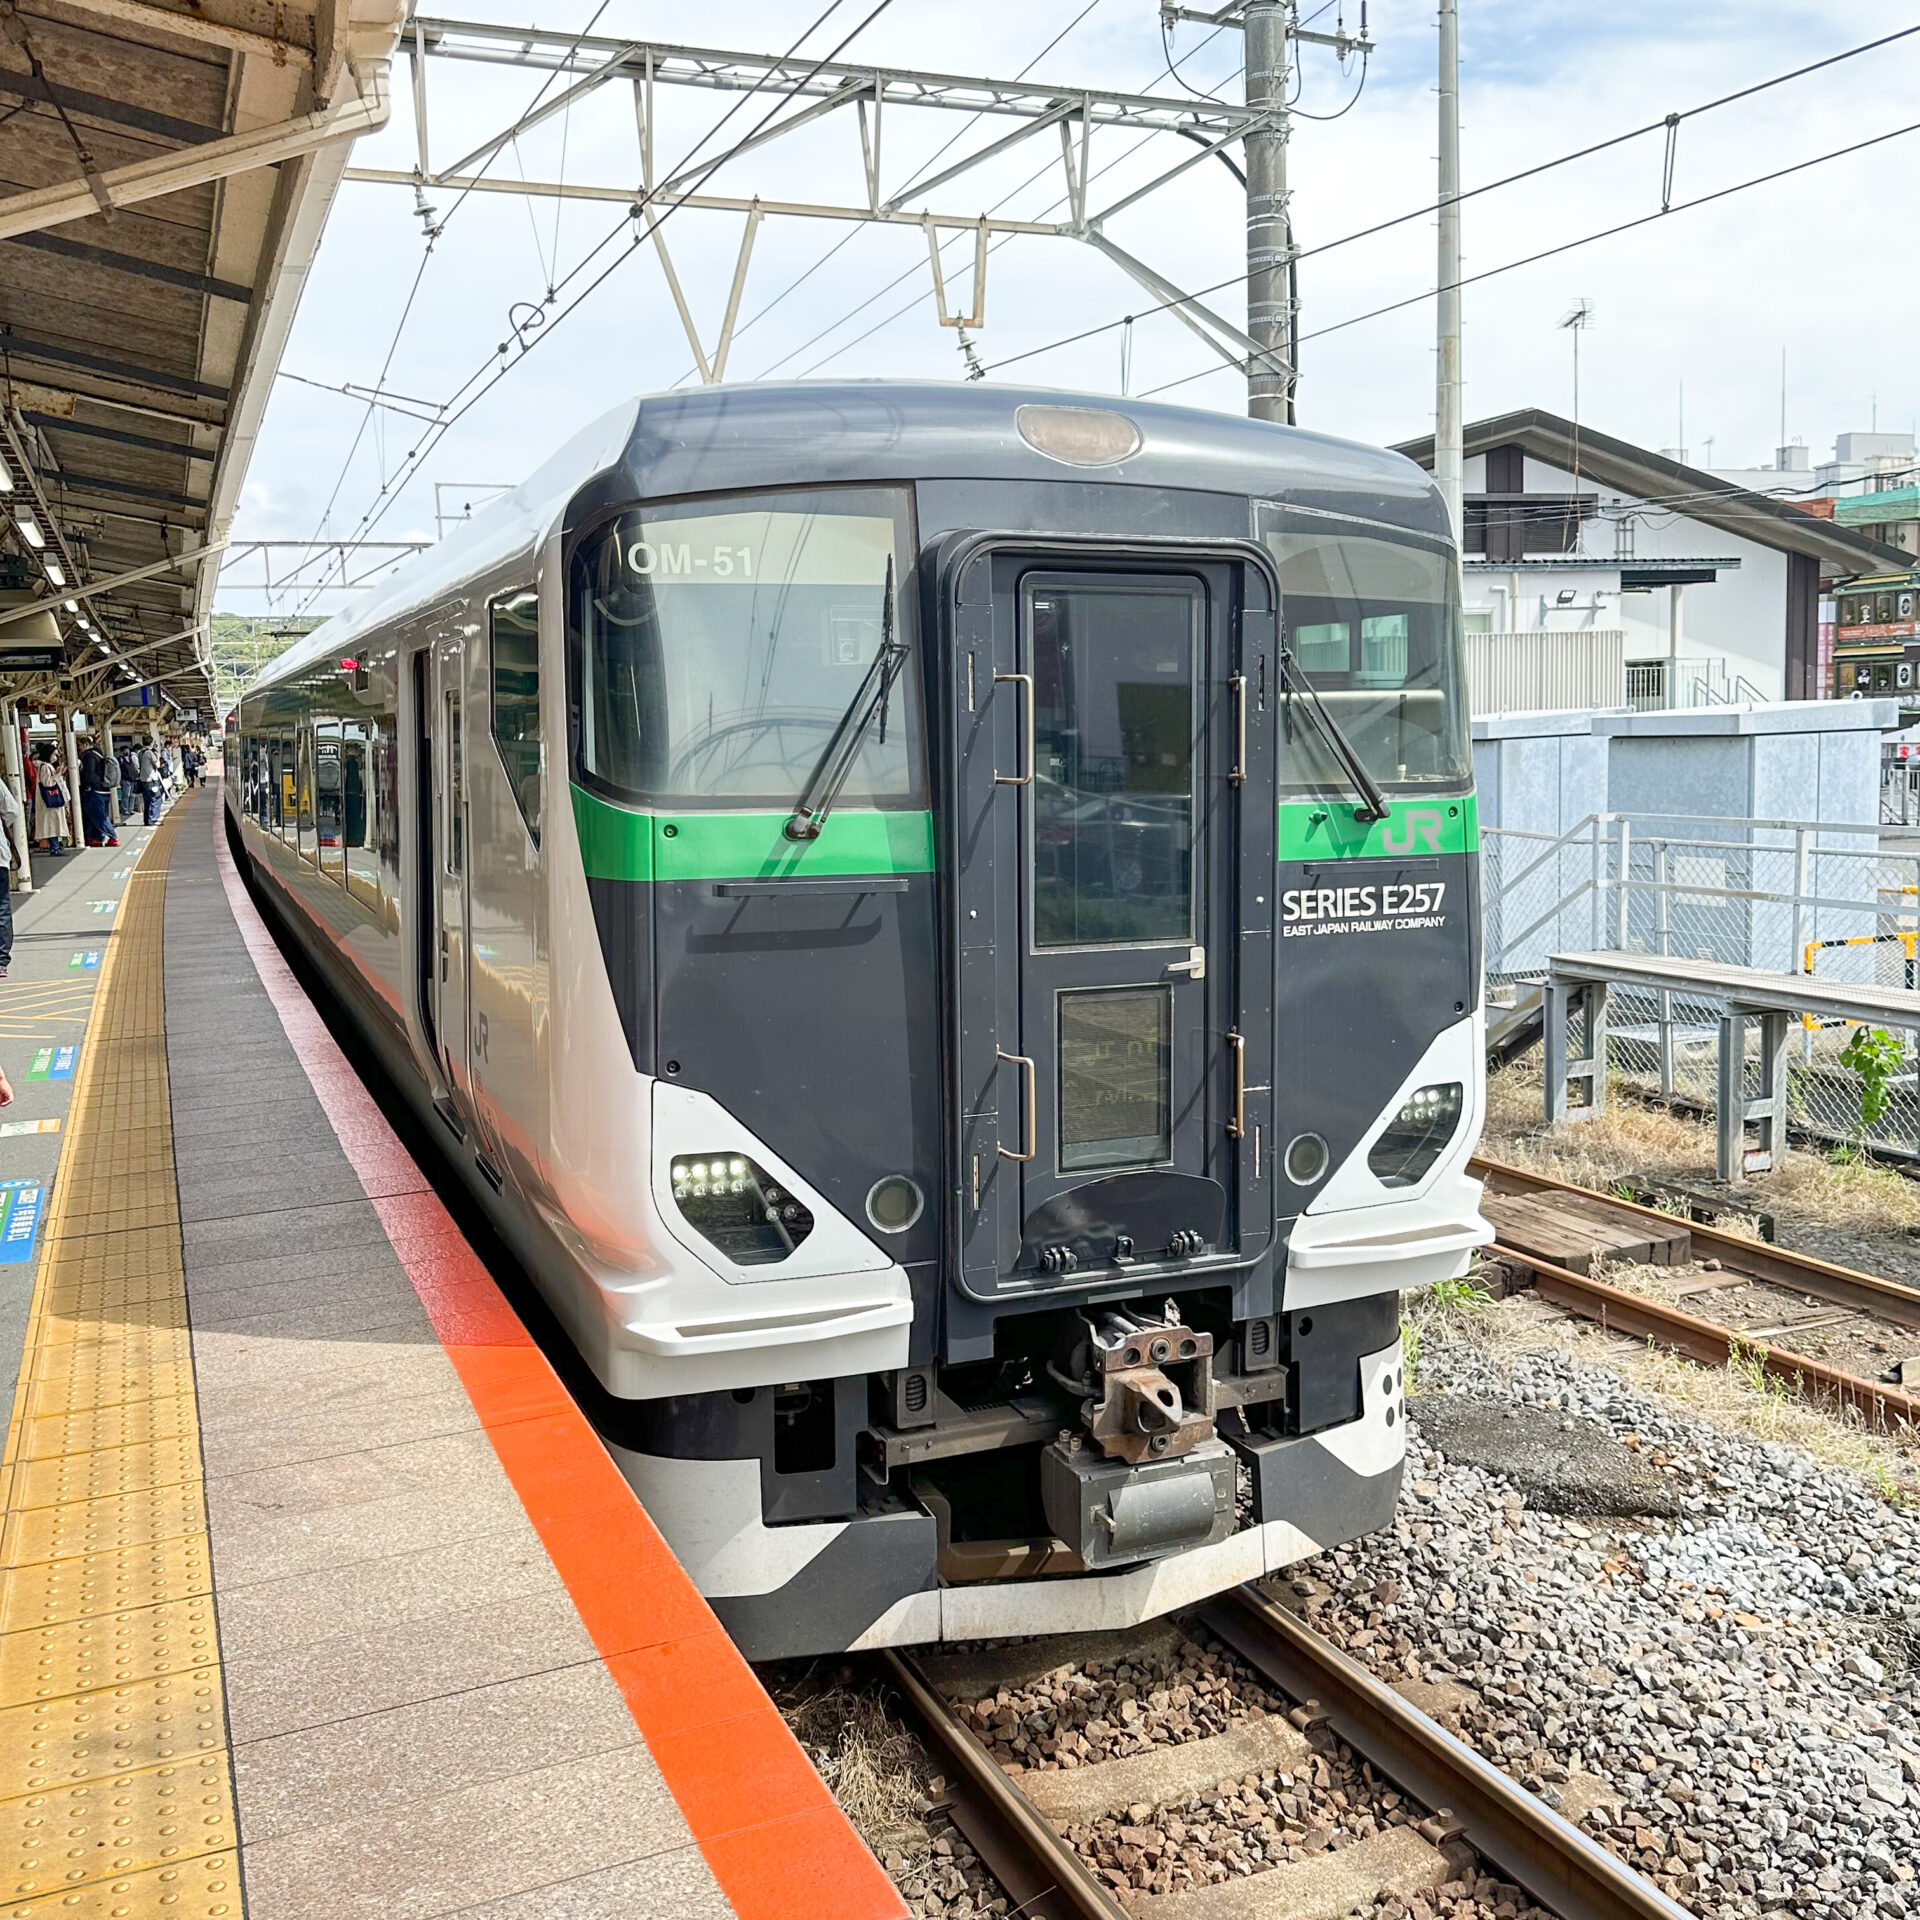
x: 1044, y: 1878
x: 1886, y: 1299
x: 1562, y: 1868
x: 1711, y: 1344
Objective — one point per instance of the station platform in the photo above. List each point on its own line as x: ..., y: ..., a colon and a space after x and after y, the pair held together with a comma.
x: 318, y: 1595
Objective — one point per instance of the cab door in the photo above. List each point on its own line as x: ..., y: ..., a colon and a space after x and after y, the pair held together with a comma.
x: 447, y: 745
x: 1113, y: 895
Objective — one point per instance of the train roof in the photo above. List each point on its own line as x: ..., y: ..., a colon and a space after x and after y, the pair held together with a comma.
x: 837, y: 433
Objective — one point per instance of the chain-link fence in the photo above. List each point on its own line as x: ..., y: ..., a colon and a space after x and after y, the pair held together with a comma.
x: 1781, y: 896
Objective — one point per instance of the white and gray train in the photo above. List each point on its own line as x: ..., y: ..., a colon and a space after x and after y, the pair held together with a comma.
x: 940, y: 923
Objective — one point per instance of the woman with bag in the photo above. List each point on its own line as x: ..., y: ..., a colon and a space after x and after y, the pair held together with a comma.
x: 51, y: 795
x: 150, y: 784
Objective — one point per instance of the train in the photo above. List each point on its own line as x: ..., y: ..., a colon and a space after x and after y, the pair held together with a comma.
x: 940, y: 924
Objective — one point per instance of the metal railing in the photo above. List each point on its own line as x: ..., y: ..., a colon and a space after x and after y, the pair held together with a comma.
x: 1693, y: 680
x: 1786, y: 896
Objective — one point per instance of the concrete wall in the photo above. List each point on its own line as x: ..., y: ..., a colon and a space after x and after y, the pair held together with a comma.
x: 1542, y: 774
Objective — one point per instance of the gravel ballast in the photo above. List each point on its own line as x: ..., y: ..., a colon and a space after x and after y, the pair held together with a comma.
x: 1738, y: 1662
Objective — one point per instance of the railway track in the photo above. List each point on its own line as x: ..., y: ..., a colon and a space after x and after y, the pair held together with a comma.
x: 1448, y: 1803
x: 1882, y: 1406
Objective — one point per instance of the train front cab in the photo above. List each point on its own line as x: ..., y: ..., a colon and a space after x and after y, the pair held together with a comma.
x: 1155, y: 1064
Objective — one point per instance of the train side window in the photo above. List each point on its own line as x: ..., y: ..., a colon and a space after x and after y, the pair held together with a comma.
x: 514, y: 642
x: 455, y: 838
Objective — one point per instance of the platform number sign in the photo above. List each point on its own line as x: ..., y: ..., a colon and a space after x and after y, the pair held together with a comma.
x: 20, y: 1202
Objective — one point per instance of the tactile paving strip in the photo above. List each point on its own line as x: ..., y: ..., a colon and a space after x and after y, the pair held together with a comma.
x: 116, y: 1783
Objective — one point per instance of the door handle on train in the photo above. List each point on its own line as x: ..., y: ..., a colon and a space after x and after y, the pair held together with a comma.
x: 1030, y: 1100
x: 1194, y: 966
x: 1239, y: 774
x: 1237, y: 1126
x: 1025, y: 681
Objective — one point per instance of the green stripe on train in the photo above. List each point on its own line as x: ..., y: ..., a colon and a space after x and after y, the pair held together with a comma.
x: 1327, y: 829
x: 624, y: 843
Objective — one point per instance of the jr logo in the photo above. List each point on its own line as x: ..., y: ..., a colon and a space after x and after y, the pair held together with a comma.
x: 1417, y: 825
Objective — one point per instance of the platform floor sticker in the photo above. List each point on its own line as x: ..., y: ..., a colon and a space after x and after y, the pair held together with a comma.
x: 52, y: 1063
x: 20, y: 1203
x: 89, y: 960
x: 9, y: 1127
x: 104, y: 906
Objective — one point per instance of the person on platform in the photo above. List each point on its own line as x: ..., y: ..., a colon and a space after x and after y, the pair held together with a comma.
x: 150, y: 783
x: 129, y: 781
x: 97, y: 781
x: 9, y: 825
x: 50, y: 798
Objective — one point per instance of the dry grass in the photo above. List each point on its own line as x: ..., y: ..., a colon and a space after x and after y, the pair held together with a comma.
x: 1738, y: 1399
x: 1629, y: 1136
x: 873, y: 1767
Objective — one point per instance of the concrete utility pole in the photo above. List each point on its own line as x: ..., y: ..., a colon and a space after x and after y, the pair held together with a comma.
x: 1270, y: 316
x: 1449, y: 453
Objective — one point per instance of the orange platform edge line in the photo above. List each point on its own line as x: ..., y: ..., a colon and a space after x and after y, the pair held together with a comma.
x: 771, y: 1833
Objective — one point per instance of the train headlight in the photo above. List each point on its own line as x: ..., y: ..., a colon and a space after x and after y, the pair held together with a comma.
x: 1416, y: 1136
x: 739, y: 1208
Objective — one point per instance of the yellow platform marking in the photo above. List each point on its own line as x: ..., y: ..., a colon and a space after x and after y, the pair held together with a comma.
x: 116, y: 1781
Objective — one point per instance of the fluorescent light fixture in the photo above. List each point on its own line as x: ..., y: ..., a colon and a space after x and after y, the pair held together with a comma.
x: 56, y: 573
x: 30, y: 530
x: 6, y: 478
x: 73, y: 606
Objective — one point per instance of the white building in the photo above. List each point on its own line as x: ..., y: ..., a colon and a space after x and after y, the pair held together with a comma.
x: 1601, y: 574
x: 1862, y: 463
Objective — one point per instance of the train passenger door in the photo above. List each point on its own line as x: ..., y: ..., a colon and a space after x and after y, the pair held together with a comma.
x: 1114, y: 824
x: 446, y: 881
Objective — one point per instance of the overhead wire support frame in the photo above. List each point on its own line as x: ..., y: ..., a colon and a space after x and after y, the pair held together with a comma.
x: 824, y: 87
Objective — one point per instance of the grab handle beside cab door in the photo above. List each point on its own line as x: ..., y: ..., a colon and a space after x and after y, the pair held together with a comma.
x: 1237, y: 1126
x: 1239, y: 774
x: 1025, y: 682
x: 1029, y: 1115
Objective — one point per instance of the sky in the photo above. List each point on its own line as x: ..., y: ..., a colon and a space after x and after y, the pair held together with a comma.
x: 1691, y: 312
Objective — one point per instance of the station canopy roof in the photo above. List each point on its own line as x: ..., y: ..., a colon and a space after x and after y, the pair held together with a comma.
x: 166, y: 167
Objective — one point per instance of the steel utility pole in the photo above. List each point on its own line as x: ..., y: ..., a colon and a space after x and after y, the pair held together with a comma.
x: 1449, y: 452
x: 1270, y: 318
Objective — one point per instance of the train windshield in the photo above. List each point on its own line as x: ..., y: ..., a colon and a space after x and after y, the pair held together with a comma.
x: 717, y: 647
x: 1374, y: 624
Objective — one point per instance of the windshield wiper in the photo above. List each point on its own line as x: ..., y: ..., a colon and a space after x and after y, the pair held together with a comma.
x: 1373, y: 803
x: 871, y: 697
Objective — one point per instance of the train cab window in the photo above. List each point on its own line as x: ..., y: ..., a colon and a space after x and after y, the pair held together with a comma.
x: 716, y: 649
x: 514, y: 642
x: 1374, y: 624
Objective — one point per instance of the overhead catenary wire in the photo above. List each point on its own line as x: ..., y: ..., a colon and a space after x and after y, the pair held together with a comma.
x: 1662, y: 125
x: 1585, y: 240
x: 393, y: 346
x: 900, y: 279
x: 491, y: 371
x: 919, y: 173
